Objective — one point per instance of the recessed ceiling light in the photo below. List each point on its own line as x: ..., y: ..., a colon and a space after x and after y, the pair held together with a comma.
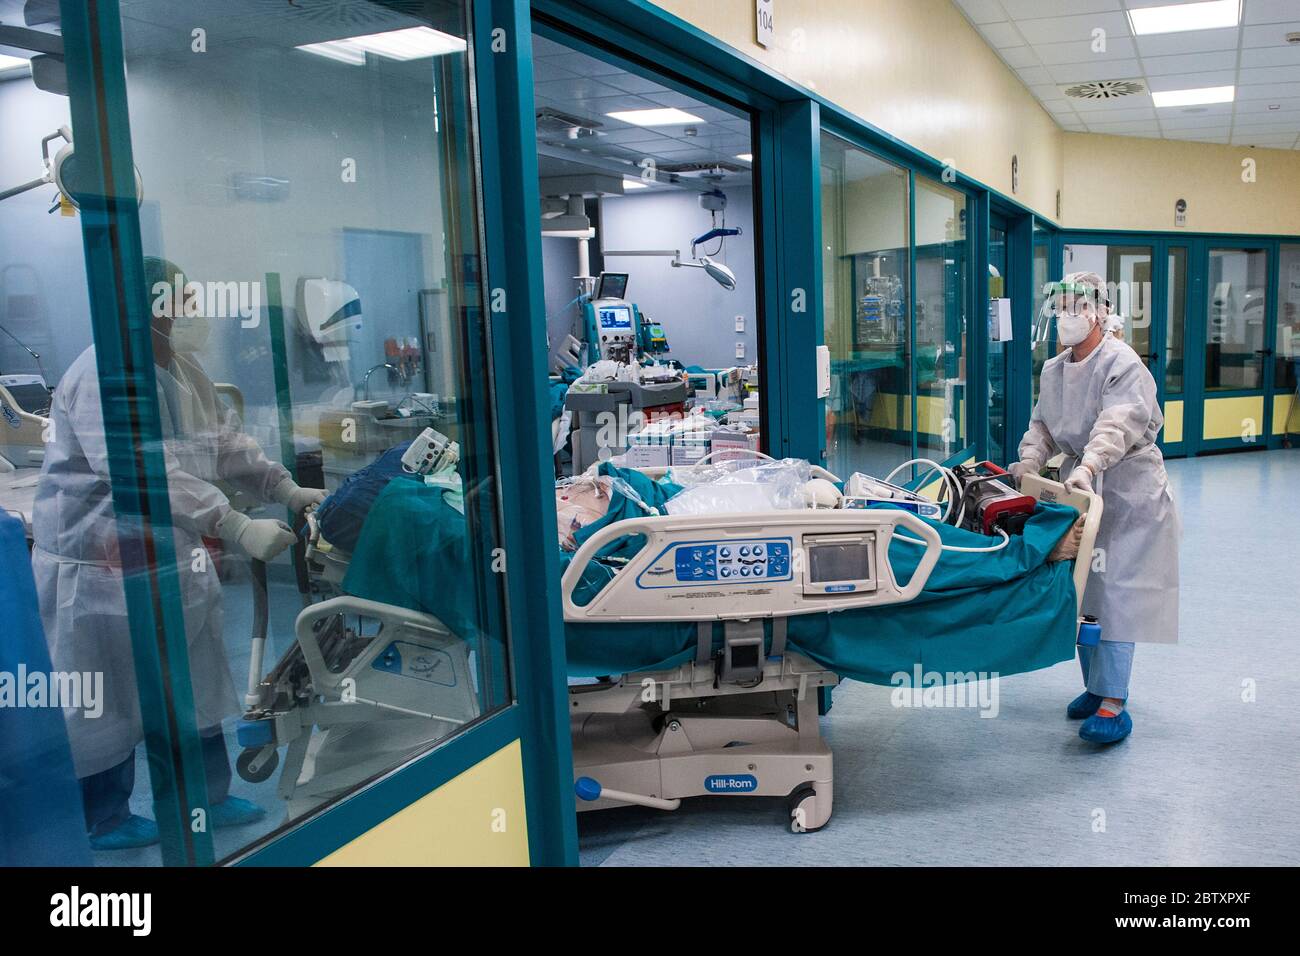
x: 664, y: 116
x: 747, y: 157
x: 1208, y: 94
x: 11, y: 62
x: 635, y: 184
x: 1179, y: 17
x: 414, y: 43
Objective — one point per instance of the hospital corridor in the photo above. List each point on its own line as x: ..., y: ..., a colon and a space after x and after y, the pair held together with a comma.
x: 693, y: 435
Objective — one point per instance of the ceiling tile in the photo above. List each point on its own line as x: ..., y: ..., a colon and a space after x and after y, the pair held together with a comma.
x: 1081, y: 51
x: 1271, y: 11
x: 1100, y: 70
x: 1120, y: 115
x: 1058, y: 106
x: 1192, y: 81
x: 1193, y: 41
x: 1273, y: 34
x: 1270, y: 74
x: 1115, y: 105
x: 1210, y: 135
x: 1067, y: 29
x: 982, y: 11
x: 1200, y: 62
x: 1148, y: 127
x: 1272, y: 92
x: 1261, y: 107
x: 1026, y: 9
x: 1001, y: 34
x: 1267, y: 120
x: 1035, y: 76
x: 1257, y: 56
x: 1020, y: 56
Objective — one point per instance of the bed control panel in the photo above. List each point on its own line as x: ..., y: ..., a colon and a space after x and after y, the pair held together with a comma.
x: 734, y: 561
x: 747, y: 566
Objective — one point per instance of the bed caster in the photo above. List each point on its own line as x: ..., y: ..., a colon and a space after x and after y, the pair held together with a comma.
x: 256, y: 764
x: 807, y: 813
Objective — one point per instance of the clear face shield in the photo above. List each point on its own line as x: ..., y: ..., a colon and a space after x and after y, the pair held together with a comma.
x: 1066, y: 298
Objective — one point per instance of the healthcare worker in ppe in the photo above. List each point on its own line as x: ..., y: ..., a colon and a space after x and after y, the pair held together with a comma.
x: 1097, y: 404
x: 79, y: 566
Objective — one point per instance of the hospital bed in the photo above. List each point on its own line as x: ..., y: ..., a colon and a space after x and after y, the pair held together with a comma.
x: 740, y: 717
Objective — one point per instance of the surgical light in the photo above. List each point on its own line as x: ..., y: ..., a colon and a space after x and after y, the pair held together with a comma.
x: 11, y: 62
x: 1180, y: 17
x: 635, y: 184
x: 666, y: 116
x: 745, y: 157
x: 413, y: 43
x: 1208, y: 94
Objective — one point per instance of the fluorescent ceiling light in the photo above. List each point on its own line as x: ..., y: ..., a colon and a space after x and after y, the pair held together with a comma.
x: 1208, y: 94
x: 12, y: 62
x: 414, y: 43
x: 747, y: 157
x: 665, y: 116
x: 635, y: 184
x: 1185, y: 16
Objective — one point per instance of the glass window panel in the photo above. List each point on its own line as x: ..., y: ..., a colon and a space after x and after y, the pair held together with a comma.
x: 1234, y: 319
x: 1175, y: 320
x: 941, y: 263
x: 865, y: 270
x: 314, y: 280
x: 1042, y: 275
x: 997, y: 361
x: 1287, y: 348
x: 1126, y: 272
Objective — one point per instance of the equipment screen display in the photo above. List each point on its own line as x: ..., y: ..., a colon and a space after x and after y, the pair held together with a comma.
x: 839, y: 562
x: 616, y: 317
x: 613, y: 285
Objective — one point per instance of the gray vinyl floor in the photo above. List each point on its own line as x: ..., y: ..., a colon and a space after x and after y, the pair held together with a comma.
x: 1209, y: 776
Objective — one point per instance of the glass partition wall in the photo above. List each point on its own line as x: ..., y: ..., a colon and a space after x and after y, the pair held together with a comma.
x: 866, y: 277
x: 310, y: 300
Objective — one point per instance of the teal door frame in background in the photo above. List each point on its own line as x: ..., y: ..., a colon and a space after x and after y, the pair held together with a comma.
x: 1193, y: 393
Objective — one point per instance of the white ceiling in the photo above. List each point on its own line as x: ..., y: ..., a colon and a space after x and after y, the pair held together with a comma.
x: 586, y: 88
x: 1048, y: 43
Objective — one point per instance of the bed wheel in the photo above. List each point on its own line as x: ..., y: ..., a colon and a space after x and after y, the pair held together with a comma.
x: 244, y: 764
x: 803, y: 810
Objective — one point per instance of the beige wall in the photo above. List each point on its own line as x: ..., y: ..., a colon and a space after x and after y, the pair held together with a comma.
x: 919, y: 71
x: 916, y: 69
x: 1120, y: 182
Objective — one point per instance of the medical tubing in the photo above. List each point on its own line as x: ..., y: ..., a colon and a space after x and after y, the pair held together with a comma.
x: 951, y: 487
x: 1006, y: 540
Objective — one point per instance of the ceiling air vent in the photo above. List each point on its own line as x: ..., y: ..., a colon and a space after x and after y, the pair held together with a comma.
x: 1103, y: 89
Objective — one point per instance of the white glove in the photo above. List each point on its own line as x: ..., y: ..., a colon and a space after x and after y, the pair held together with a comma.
x: 295, y: 497
x: 261, y: 538
x: 1080, y: 479
x: 1018, y: 469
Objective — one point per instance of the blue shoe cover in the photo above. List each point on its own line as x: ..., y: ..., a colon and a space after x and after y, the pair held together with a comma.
x: 134, y: 832
x: 234, y: 812
x: 1107, y: 730
x: 1085, y: 705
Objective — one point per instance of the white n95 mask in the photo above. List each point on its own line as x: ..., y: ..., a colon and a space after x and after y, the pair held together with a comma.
x: 1072, y: 329
x: 189, y: 333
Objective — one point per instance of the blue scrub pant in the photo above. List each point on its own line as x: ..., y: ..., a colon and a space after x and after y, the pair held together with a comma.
x: 1106, y: 668
x: 107, y: 794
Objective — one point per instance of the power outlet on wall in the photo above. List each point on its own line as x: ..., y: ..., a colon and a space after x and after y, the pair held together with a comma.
x: 740, y: 323
x: 740, y: 350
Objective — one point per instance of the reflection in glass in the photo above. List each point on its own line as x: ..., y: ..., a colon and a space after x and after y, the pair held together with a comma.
x: 1175, y: 320
x: 997, y: 350
x: 1287, y: 347
x: 940, y: 320
x: 1042, y: 275
x: 1234, y: 319
x: 864, y: 262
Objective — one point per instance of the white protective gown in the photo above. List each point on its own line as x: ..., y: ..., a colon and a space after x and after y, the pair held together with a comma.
x: 1103, y: 412
x: 76, y: 560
